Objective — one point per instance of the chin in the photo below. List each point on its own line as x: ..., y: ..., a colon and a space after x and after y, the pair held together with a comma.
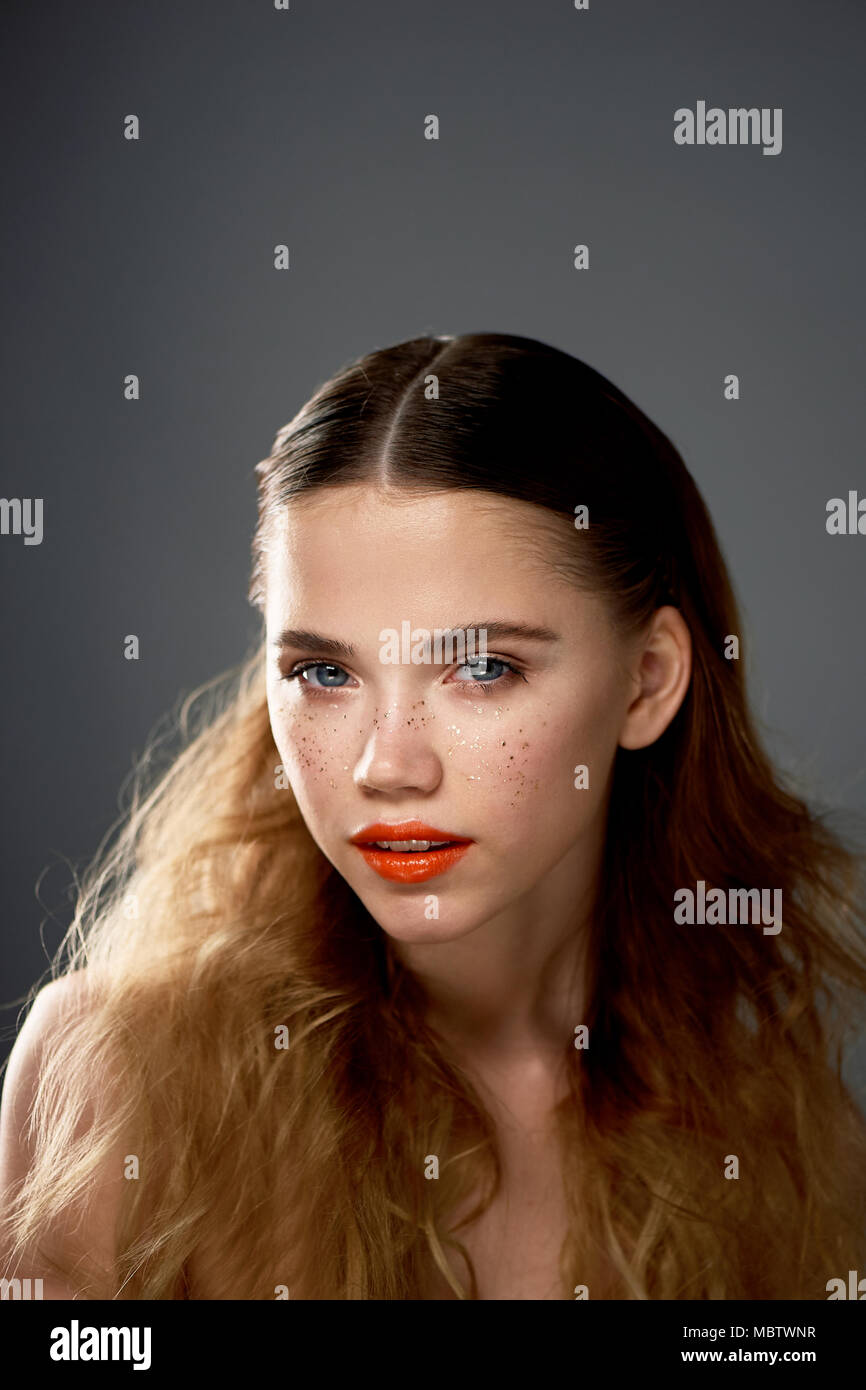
x: 408, y: 922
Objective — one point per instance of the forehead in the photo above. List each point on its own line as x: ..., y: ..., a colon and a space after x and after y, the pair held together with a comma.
x: 362, y: 548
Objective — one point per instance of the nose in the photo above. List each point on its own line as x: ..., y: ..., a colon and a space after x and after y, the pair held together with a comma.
x: 398, y: 756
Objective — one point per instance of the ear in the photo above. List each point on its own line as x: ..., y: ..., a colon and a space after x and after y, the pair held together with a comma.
x: 660, y: 674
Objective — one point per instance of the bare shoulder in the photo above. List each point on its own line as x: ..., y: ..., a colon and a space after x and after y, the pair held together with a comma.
x: 56, y: 1004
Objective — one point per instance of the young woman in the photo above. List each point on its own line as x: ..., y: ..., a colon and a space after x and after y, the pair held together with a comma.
x: 389, y: 987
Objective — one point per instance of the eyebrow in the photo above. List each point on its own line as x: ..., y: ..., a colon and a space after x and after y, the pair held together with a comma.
x: 496, y: 628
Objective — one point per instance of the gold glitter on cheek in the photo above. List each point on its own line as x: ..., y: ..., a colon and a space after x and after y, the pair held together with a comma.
x: 452, y: 728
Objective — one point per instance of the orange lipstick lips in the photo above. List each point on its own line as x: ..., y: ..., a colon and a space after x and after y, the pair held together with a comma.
x: 410, y: 865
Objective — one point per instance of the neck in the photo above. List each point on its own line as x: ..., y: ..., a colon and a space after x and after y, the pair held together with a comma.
x: 516, y: 984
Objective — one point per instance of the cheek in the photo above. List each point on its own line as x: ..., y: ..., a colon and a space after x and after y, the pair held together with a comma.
x: 508, y: 775
x: 505, y: 760
x: 523, y: 773
x: 314, y: 746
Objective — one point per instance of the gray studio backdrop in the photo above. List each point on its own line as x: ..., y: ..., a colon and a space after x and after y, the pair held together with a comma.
x: 306, y: 127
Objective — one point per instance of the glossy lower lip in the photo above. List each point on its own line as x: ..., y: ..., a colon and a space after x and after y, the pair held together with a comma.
x: 406, y: 866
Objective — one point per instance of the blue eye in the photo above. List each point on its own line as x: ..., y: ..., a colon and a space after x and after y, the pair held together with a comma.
x: 320, y: 666
x: 484, y: 663
x: 482, y: 682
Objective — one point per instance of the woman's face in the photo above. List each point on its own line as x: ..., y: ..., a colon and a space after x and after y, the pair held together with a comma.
x: 484, y: 752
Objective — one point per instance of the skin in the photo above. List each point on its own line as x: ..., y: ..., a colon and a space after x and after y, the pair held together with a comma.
x: 502, y: 963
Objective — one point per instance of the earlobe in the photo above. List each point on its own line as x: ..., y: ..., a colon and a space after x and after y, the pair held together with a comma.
x: 662, y: 672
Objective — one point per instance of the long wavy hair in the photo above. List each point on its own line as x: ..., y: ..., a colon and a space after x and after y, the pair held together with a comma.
x: 211, y: 926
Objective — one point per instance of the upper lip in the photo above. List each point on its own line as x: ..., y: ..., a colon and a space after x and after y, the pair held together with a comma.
x: 405, y: 830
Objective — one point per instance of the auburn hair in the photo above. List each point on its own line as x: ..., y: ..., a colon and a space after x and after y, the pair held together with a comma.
x: 211, y: 926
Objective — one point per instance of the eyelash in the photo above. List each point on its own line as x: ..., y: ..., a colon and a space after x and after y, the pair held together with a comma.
x: 478, y: 687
